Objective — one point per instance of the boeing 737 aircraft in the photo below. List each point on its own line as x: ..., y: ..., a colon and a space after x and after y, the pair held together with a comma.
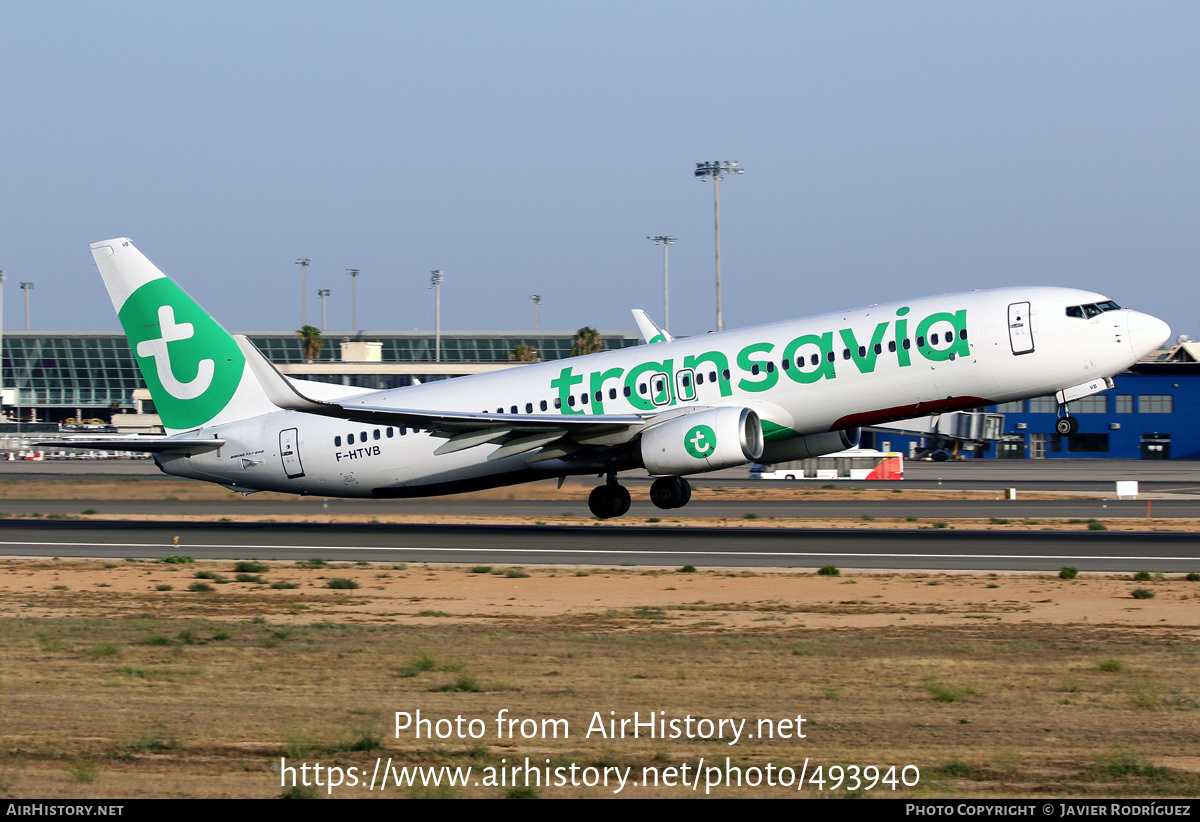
x: 770, y: 393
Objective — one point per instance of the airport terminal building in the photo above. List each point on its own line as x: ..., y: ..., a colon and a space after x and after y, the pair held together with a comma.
x: 52, y: 377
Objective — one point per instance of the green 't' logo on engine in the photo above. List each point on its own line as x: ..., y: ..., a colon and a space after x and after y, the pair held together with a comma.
x: 191, y: 365
x: 700, y: 442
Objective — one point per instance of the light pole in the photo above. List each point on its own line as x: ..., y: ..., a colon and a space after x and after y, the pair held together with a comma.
x: 303, y: 263
x: 354, y: 272
x: 717, y: 170
x: 26, y: 287
x: 537, y: 303
x: 436, y: 278
x: 665, y: 240
x: 322, y: 293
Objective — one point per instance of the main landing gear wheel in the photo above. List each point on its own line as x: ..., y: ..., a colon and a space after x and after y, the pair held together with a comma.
x: 670, y: 492
x: 607, y: 501
x: 1066, y: 426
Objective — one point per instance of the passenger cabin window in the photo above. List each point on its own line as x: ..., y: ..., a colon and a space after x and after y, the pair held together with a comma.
x: 390, y: 433
x: 542, y: 405
x: 528, y: 408
x: 337, y: 442
x: 349, y: 439
x: 375, y: 433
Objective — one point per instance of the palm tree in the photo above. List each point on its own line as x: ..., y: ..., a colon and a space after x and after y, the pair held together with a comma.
x: 587, y: 341
x: 311, y: 335
x: 524, y: 353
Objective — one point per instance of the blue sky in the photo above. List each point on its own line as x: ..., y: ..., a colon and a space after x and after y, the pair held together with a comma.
x: 891, y: 150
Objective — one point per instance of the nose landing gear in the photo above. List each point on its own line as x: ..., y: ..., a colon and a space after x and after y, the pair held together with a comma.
x: 1066, y: 425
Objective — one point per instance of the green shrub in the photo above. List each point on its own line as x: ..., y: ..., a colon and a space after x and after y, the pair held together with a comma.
x: 688, y: 569
x: 164, y: 587
x: 284, y: 586
x: 829, y: 571
x: 177, y: 559
x: 516, y: 573
x: 1143, y: 576
x: 250, y: 578
x: 251, y: 567
x: 1068, y: 572
x: 943, y: 692
x: 1112, y: 665
x: 341, y: 583
x: 1095, y: 525
x: 1193, y: 577
x: 201, y: 588
x: 1142, y: 593
x: 481, y: 569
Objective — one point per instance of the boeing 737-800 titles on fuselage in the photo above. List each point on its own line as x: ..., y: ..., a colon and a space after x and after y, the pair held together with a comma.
x: 769, y: 393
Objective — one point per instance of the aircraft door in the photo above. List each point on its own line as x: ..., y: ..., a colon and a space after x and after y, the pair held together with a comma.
x: 1020, y: 328
x: 289, y: 452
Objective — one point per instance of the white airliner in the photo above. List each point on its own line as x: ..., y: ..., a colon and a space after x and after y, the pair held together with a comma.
x: 769, y: 393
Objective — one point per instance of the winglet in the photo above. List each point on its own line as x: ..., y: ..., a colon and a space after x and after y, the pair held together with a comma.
x: 649, y: 330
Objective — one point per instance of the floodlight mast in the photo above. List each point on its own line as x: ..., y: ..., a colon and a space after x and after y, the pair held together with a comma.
x: 537, y: 303
x: 322, y: 293
x: 665, y: 240
x: 717, y: 170
x: 303, y: 262
x: 436, y: 278
x: 354, y: 272
x: 27, y: 287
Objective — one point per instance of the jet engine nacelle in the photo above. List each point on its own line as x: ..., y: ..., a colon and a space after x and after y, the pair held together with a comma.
x: 703, y: 441
x: 811, y: 445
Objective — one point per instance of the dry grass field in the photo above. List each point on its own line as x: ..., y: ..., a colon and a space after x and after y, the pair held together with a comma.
x: 118, y: 681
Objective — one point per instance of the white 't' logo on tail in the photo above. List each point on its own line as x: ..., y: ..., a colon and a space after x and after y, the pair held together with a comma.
x: 171, y: 332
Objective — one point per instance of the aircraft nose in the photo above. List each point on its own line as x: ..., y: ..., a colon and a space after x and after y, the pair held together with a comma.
x: 1146, y: 333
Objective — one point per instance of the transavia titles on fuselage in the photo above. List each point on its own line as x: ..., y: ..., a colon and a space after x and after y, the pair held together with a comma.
x: 675, y: 407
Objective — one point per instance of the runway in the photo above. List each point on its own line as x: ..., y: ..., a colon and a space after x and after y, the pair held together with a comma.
x: 612, y: 545
x: 899, y: 508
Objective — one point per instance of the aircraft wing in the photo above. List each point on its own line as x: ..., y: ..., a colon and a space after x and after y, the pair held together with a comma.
x: 139, y: 443
x: 516, y: 433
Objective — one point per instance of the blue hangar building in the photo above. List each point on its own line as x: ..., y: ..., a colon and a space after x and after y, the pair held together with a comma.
x: 1152, y: 414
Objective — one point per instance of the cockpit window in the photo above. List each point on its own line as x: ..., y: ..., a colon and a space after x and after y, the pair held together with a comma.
x: 1091, y: 309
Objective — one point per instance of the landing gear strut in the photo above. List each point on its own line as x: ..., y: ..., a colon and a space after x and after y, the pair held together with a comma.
x: 670, y: 492
x: 609, y: 500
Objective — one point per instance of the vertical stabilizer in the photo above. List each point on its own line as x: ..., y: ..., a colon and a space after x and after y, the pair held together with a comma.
x: 195, y: 371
